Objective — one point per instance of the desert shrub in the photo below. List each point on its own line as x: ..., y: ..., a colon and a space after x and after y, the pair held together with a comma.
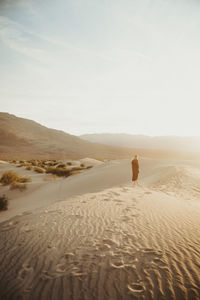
x: 27, y: 164
x: 76, y: 169
x: 33, y: 162
x: 49, y: 170
x: 18, y: 185
x: 58, y: 171
x: 29, y: 168
x: 61, y: 166
x: 30, y: 161
x: 51, y: 164
x: 24, y: 179
x: 10, y: 177
x: 69, y: 163
x: 38, y: 170
x: 40, y: 164
x: 24, y: 164
x: 82, y: 165
x: 89, y: 167
x: 3, y: 202
x: 74, y: 172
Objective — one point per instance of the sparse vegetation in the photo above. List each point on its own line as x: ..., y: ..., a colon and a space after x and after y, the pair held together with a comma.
x: 76, y: 169
x: 89, y: 167
x: 58, y: 171
x: 69, y: 163
x: 32, y: 162
x: 82, y: 165
x: 61, y: 166
x: 24, y: 179
x: 24, y: 164
x: 10, y: 177
x: 39, y: 170
x: 29, y: 168
x: 3, y: 202
x: 51, y: 163
x: 18, y: 185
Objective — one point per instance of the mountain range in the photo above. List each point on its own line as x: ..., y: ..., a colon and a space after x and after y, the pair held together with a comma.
x: 25, y: 139
x: 171, y: 143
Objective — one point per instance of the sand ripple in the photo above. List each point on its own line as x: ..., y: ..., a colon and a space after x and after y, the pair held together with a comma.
x: 123, y: 243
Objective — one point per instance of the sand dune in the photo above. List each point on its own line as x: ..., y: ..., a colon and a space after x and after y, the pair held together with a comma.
x: 105, y: 239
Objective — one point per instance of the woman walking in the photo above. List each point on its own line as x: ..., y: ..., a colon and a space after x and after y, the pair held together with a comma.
x: 135, y: 170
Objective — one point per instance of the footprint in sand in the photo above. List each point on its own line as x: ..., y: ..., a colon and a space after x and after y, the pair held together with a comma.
x: 127, y: 209
x: 104, y: 247
x: 106, y: 244
x: 9, y: 226
x: 130, y: 258
x: 24, y: 271
x: 117, y: 200
x: 124, y: 190
x: 66, y: 265
x: 159, y: 262
x: 26, y: 213
x: 110, y: 242
x: 114, y: 193
x: 106, y: 199
x: 129, y: 219
x: 64, y: 262
x: 116, y: 262
x: 75, y: 216
x: 125, y: 219
x: 136, y: 289
x: 150, y: 251
x: 153, y: 257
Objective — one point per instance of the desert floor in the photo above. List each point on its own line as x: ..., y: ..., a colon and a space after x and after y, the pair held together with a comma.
x: 95, y: 236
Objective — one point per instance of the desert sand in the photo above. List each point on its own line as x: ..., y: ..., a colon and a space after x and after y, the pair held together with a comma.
x: 95, y: 236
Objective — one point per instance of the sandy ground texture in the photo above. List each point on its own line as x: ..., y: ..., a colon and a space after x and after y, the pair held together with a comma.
x: 95, y: 236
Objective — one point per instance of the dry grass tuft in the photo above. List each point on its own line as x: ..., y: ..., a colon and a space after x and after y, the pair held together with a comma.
x: 3, y: 202
x: 61, y: 166
x: 29, y: 168
x: 18, y: 185
x: 39, y: 170
x: 58, y: 171
x: 10, y: 177
x: 89, y: 167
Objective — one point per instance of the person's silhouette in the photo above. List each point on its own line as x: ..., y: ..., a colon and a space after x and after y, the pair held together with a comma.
x: 135, y: 170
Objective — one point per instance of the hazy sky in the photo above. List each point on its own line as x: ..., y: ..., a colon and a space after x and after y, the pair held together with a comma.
x: 102, y: 65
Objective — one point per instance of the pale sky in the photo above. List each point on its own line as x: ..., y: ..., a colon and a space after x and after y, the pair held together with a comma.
x: 91, y: 66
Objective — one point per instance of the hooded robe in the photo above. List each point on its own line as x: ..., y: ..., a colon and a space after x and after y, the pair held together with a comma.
x: 135, y: 169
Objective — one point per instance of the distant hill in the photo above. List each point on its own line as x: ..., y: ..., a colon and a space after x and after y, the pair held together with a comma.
x: 172, y: 143
x: 23, y: 139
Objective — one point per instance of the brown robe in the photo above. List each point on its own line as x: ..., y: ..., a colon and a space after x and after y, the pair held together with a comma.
x: 135, y: 169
